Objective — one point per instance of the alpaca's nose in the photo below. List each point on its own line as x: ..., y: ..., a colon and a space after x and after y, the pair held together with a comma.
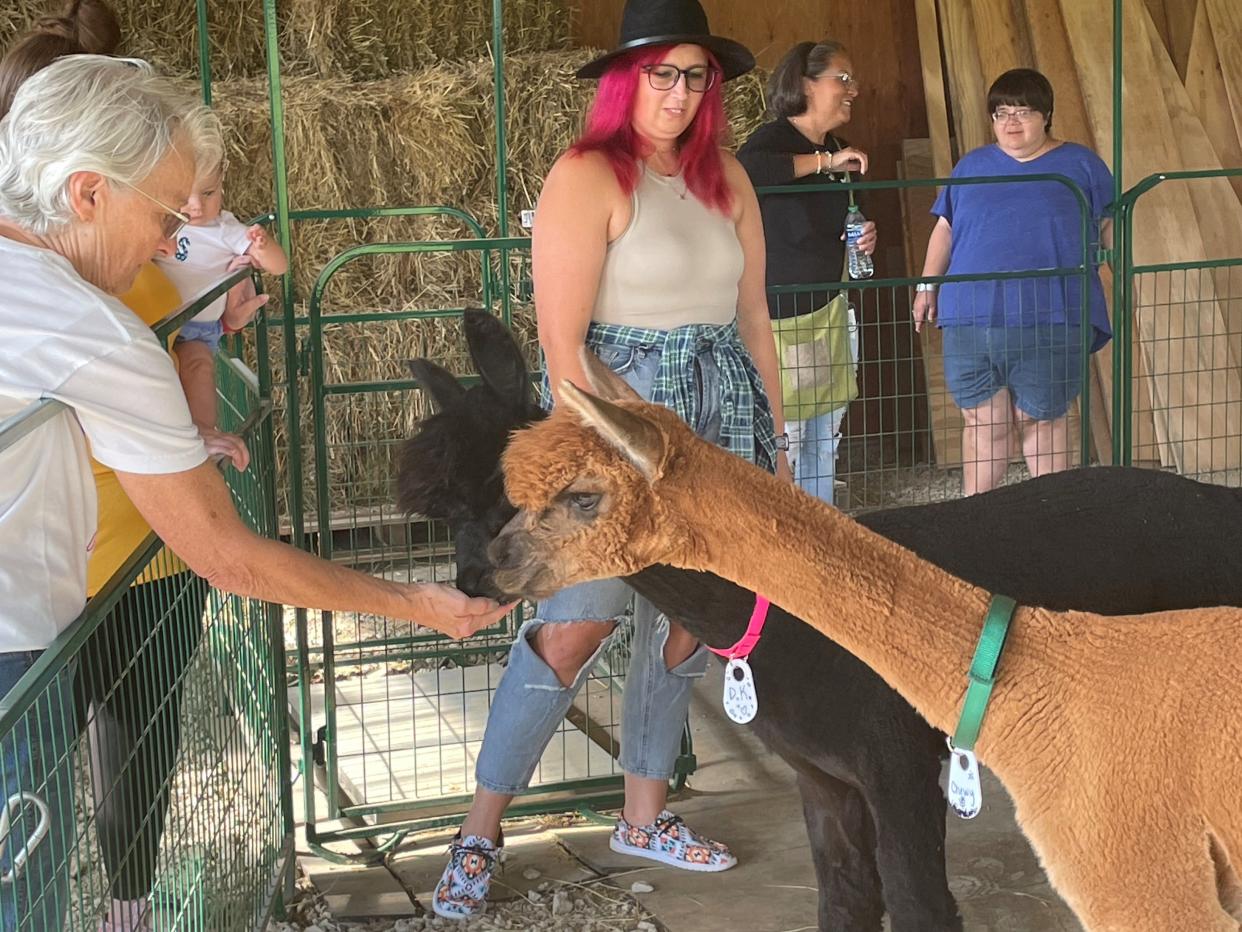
x: 472, y: 580
x: 499, y: 551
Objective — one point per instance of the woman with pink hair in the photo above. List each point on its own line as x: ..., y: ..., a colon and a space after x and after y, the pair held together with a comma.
x: 648, y: 249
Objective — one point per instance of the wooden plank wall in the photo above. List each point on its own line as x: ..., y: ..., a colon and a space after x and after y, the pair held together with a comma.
x: 882, y: 37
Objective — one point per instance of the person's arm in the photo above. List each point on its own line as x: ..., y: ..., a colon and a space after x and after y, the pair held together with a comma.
x: 768, y: 164
x: 939, y: 245
x: 570, y: 239
x: 193, y: 514
x: 196, y: 368
x: 265, y: 252
x: 753, y: 322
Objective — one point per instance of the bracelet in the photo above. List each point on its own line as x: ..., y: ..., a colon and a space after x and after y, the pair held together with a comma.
x: 927, y: 286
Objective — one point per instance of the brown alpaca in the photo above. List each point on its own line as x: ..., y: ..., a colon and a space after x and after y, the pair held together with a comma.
x: 1119, y: 739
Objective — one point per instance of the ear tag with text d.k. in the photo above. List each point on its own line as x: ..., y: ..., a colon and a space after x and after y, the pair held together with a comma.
x: 965, y: 793
x: 740, y: 702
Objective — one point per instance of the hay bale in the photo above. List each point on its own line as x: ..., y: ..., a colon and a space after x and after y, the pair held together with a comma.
x: 355, y: 39
x: 401, y: 141
x: 166, y: 34
x: 365, y: 39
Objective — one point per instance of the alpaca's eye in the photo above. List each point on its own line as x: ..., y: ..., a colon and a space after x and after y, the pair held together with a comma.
x: 585, y: 501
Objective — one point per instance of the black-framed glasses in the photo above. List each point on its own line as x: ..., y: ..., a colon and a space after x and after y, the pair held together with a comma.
x: 665, y: 77
x: 174, y: 220
x: 1022, y: 115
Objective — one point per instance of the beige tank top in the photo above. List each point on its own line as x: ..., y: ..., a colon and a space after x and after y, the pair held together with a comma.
x: 677, y: 263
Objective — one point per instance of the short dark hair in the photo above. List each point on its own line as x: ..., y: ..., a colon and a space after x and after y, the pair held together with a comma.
x: 1022, y: 87
x: 786, y: 96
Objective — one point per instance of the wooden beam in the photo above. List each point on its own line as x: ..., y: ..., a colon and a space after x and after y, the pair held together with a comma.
x: 966, y: 80
x: 1004, y: 41
x: 945, y: 421
x: 933, y: 90
x: 1225, y: 24
x: 1180, y: 16
x: 1205, y: 83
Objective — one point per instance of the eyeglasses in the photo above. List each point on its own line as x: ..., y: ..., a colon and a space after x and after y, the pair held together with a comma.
x: 175, y: 219
x: 1025, y: 115
x: 665, y: 77
x: 844, y: 77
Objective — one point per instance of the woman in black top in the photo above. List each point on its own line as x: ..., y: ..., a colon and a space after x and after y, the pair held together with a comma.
x: 810, y: 95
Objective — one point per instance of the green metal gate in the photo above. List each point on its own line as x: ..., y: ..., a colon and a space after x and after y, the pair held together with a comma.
x: 199, y: 675
x: 393, y: 714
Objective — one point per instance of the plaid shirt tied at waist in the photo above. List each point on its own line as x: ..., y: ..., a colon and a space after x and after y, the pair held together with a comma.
x: 746, y: 427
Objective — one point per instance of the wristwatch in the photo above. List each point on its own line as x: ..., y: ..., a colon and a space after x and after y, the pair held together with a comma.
x: 927, y: 286
x: 782, y: 442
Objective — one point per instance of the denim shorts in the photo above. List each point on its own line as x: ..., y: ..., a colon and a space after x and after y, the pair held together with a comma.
x: 1040, y: 365
x: 195, y: 331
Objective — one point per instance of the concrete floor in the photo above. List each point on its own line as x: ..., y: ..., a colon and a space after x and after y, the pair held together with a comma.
x: 745, y: 796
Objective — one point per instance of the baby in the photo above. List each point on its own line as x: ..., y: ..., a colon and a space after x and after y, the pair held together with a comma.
x: 210, y: 246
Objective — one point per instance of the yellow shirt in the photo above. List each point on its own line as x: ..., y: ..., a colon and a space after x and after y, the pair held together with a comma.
x: 121, y: 527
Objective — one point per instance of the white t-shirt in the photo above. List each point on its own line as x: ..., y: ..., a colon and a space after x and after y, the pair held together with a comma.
x: 202, y: 260
x: 62, y: 338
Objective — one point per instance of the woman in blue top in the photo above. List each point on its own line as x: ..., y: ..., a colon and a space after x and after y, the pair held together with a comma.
x: 1013, y: 347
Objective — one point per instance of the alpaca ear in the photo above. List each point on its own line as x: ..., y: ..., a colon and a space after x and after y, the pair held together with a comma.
x: 437, y: 381
x: 635, y: 436
x: 497, y: 357
x: 605, y: 383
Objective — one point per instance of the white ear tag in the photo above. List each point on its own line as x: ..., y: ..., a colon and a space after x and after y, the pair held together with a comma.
x: 965, y: 793
x: 740, y: 702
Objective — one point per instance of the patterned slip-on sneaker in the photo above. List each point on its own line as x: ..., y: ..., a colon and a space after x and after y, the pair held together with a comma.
x: 462, y: 890
x: 669, y: 841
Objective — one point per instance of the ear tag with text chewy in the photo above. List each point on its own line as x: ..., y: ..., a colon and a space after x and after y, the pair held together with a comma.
x: 740, y: 702
x: 965, y: 792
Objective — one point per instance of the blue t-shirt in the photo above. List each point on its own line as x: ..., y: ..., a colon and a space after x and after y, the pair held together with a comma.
x: 1013, y: 227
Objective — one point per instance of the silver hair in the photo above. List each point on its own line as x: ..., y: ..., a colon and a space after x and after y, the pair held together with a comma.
x: 93, y: 113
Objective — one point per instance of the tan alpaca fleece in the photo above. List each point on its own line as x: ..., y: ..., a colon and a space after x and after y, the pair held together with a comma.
x: 1120, y: 739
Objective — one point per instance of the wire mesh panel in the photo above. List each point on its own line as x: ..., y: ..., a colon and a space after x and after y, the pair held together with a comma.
x: 880, y: 416
x: 1186, y: 386
x: 143, y: 751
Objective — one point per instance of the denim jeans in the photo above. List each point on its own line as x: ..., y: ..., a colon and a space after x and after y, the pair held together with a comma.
x: 813, y: 442
x: 812, y: 454
x: 36, y: 790
x: 530, y: 701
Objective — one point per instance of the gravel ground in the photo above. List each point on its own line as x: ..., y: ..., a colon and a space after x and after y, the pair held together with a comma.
x: 554, y: 906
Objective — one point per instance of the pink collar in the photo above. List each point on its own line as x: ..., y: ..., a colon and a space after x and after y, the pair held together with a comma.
x: 753, y: 632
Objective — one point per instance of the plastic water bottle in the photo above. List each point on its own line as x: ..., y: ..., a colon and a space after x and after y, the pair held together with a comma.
x: 860, y: 264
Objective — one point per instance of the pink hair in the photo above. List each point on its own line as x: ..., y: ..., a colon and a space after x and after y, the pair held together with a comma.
x: 609, y: 130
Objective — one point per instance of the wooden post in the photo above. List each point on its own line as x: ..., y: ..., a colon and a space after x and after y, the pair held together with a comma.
x: 933, y: 91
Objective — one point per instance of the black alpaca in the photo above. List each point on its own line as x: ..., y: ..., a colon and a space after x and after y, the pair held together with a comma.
x: 1108, y: 540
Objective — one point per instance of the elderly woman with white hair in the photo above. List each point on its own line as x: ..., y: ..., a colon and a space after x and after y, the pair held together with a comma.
x: 93, y: 154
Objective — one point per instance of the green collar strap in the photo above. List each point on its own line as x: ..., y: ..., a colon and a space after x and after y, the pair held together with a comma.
x: 983, y: 671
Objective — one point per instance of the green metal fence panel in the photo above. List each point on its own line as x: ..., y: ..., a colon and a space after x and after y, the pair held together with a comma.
x: 394, y: 713
x: 904, y: 441
x: 1180, y: 375
x: 150, y: 740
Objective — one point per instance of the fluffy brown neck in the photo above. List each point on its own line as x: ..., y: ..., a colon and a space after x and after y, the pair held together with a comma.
x: 911, y: 622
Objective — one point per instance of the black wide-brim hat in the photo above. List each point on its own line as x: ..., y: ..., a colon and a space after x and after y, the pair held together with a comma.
x: 671, y: 22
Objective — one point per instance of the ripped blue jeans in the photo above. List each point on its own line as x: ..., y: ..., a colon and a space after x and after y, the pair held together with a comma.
x: 530, y: 701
